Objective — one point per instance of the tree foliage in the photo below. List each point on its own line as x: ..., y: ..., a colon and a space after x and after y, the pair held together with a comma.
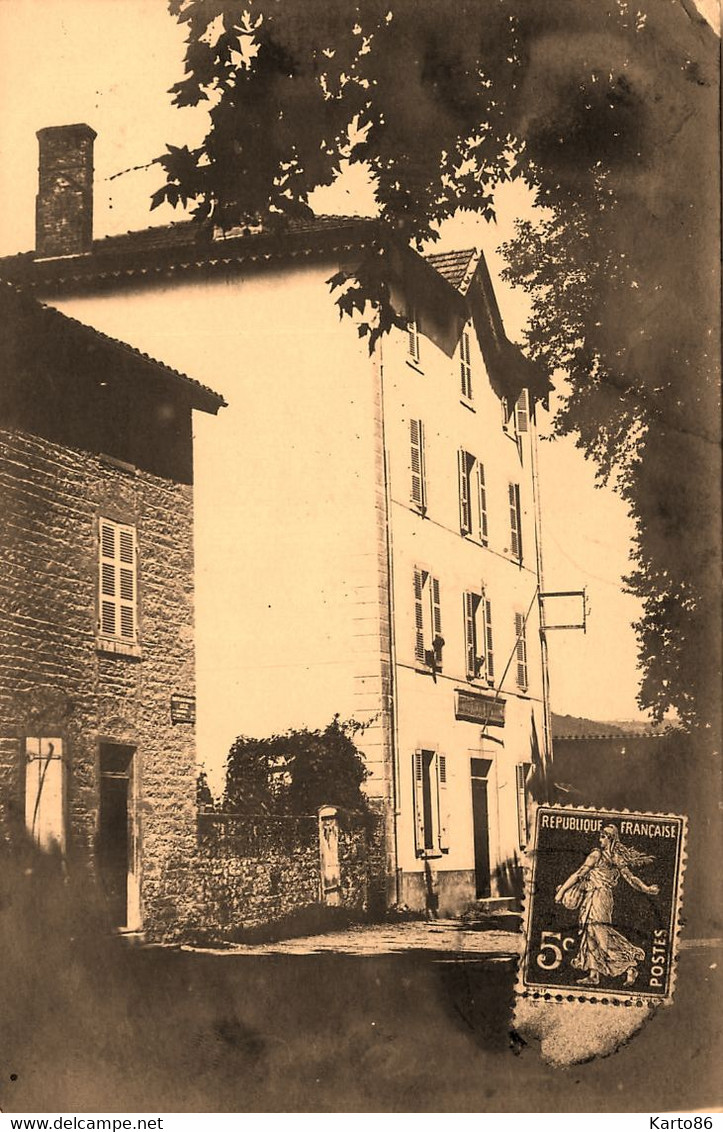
x: 609, y: 110
x: 296, y: 773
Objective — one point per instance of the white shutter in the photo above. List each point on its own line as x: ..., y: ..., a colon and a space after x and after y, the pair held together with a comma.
x: 470, y: 636
x: 45, y: 792
x: 418, y: 777
x: 418, y: 617
x: 521, y: 651
x: 118, y: 580
x: 515, y: 533
x: 437, y: 641
x: 521, y: 777
x: 483, y: 534
x: 416, y: 429
x: 522, y: 413
x: 442, y: 803
x: 465, y: 365
x: 465, y: 518
x: 413, y: 338
x: 489, y: 642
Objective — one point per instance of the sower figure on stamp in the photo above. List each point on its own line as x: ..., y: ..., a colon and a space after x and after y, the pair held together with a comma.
x: 589, y: 891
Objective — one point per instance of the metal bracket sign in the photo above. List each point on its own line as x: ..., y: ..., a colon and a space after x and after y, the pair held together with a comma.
x: 564, y: 609
x: 183, y: 709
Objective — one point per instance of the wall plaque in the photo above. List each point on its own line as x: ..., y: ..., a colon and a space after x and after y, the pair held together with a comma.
x: 183, y: 709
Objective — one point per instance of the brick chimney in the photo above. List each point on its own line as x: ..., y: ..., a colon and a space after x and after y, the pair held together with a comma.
x: 64, y: 204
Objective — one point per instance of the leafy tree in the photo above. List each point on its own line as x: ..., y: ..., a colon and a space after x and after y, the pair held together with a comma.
x: 609, y: 110
x: 297, y: 772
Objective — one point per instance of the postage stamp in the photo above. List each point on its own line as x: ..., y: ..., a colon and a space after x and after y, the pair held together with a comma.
x: 602, y: 907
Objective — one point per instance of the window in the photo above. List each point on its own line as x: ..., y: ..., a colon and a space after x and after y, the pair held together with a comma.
x: 521, y: 651
x: 478, y: 637
x: 118, y: 613
x: 45, y: 792
x: 431, y: 820
x: 522, y: 770
x: 465, y: 365
x: 472, y: 497
x: 515, y: 521
x: 413, y: 338
x: 419, y: 483
x: 428, y: 641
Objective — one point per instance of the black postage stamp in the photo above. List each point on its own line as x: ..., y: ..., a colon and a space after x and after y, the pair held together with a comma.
x: 602, y: 906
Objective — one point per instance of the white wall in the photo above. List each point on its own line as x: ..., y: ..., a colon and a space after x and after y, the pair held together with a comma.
x: 432, y: 393
x: 287, y: 593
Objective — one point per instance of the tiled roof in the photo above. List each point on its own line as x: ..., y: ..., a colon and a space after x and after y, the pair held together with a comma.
x: 188, y: 246
x: 204, y: 397
x: 456, y: 267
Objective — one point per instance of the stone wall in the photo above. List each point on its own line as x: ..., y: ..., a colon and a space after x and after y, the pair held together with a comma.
x: 56, y: 679
x: 251, y: 877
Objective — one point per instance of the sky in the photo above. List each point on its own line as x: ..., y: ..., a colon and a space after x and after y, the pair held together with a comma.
x: 110, y: 63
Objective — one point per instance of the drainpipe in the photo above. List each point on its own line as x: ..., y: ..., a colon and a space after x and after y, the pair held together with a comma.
x: 392, y: 706
x: 546, y: 713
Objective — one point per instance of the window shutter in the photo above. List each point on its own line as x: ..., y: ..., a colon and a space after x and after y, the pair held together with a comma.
x: 483, y: 534
x: 470, y: 636
x: 521, y: 770
x: 413, y: 338
x: 515, y: 533
x: 465, y: 518
x: 521, y: 649
x: 436, y: 622
x: 118, y: 586
x: 418, y: 775
x: 419, y: 493
x: 442, y: 804
x: 418, y: 617
x: 108, y: 589
x: 45, y: 792
x: 522, y: 413
x: 465, y: 365
x: 488, y: 641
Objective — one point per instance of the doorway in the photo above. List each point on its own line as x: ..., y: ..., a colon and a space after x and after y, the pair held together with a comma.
x: 115, y: 829
x: 479, y: 770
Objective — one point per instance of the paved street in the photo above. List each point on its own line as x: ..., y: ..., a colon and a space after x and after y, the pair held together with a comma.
x: 449, y: 937
x: 402, y: 1018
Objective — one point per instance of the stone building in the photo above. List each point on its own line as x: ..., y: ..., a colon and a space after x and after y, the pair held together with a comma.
x: 368, y: 540
x: 96, y: 590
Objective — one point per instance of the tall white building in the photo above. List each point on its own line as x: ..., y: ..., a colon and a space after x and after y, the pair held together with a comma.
x: 367, y: 531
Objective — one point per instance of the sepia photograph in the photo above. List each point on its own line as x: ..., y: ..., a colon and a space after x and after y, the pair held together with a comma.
x: 360, y: 557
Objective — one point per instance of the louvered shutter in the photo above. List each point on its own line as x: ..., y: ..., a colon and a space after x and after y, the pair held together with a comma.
x: 416, y: 429
x: 465, y: 365
x: 418, y: 617
x: 521, y: 651
x: 520, y: 778
x: 418, y: 776
x: 489, y: 641
x: 127, y: 582
x: 522, y: 412
x: 108, y: 587
x: 413, y: 338
x: 442, y: 804
x: 470, y: 637
x: 118, y: 596
x: 515, y: 534
x: 436, y: 622
x: 465, y: 518
x: 483, y: 534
